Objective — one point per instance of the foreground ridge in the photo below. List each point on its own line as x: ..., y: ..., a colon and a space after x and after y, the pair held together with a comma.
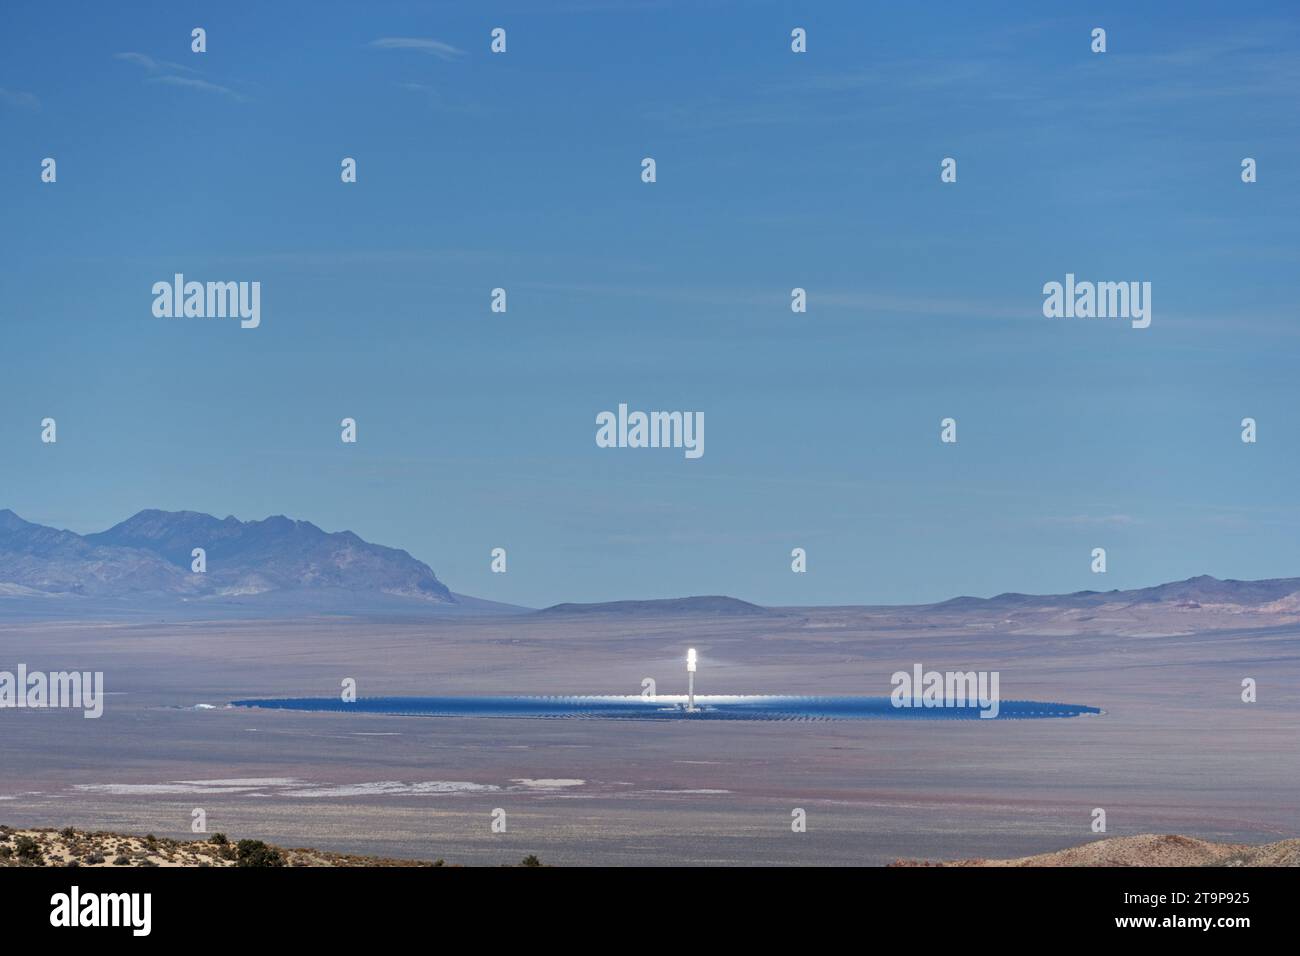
x: 70, y: 847
x: 1148, y: 849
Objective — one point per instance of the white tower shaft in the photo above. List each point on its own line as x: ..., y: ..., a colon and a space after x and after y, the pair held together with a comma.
x: 690, y: 680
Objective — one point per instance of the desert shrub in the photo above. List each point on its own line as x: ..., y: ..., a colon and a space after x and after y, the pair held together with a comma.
x: 219, y: 839
x: 530, y: 860
x: 67, y: 833
x: 6, y: 852
x: 27, y: 849
x: 94, y: 859
x: 121, y: 860
x: 257, y: 853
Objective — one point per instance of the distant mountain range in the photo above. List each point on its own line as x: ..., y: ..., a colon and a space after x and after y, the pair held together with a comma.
x: 1193, y: 592
x: 712, y: 604
x: 279, y: 565
x: 150, y: 554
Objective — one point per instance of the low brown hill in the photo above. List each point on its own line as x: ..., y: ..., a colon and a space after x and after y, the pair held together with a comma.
x: 1148, y: 849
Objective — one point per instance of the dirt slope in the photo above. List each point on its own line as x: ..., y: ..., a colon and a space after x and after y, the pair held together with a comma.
x: 1148, y: 849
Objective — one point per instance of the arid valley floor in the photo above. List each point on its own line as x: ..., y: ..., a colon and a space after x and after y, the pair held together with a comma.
x: 1177, y: 751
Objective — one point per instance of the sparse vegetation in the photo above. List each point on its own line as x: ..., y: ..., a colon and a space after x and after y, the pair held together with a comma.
x: 257, y: 853
x: 69, y: 847
x: 28, y: 850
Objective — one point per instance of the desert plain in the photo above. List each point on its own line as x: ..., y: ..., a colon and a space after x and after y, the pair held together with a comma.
x: 1177, y: 750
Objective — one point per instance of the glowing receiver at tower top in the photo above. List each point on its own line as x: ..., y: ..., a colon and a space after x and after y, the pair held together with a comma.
x: 690, y: 679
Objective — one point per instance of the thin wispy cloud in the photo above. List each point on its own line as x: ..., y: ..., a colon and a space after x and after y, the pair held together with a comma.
x: 196, y: 84
x: 19, y: 100
x: 1095, y: 521
x: 152, y: 65
x: 176, y: 74
x: 1253, y: 64
x: 852, y: 301
x: 425, y: 45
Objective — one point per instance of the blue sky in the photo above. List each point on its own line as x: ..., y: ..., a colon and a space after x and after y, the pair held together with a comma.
x: 775, y: 170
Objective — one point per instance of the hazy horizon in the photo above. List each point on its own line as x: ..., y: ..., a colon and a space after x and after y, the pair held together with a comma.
x: 639, y: 598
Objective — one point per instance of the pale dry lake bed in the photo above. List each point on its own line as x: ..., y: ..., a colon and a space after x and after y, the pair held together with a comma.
x: 1176, y: 751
